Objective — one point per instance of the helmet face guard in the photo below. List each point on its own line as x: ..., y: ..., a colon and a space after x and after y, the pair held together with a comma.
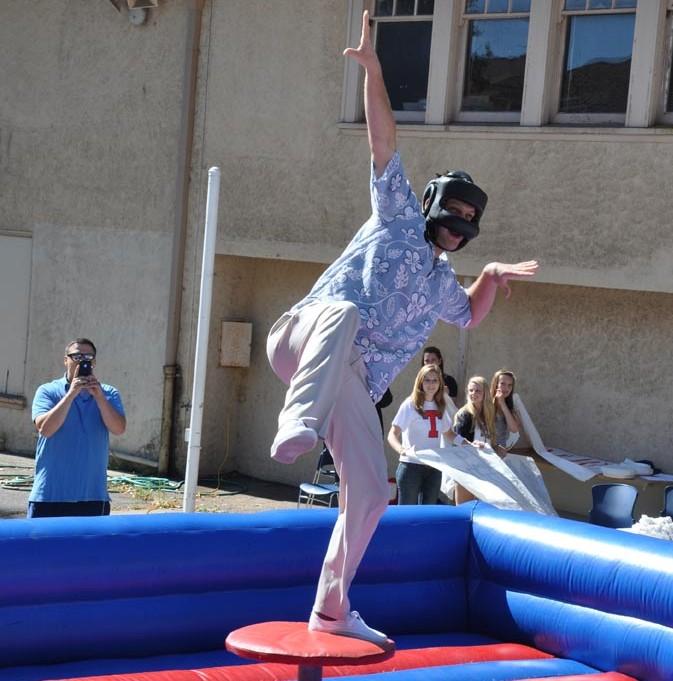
x: 456, y: 184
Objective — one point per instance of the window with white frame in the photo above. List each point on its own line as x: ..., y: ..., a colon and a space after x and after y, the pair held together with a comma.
x: 528, y: 62
x: 596, y: 62
x: 402, y: 35
x: 495, y: 40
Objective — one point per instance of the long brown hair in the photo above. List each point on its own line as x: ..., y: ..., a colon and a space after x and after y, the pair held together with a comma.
x: 509, y: 400
x: 418, y: 394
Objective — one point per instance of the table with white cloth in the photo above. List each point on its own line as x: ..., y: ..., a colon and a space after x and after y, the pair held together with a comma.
x: 572, y: 497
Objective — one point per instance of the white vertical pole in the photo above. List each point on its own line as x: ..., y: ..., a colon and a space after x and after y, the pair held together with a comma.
x: 202, y: 331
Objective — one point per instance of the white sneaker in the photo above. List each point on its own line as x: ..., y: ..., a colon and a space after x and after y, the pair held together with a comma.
x: 292, y: 440
x: 353, y: 627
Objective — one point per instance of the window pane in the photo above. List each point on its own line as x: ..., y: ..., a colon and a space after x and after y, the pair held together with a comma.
x: 520, y: 5
x: 404, y: 50
x: 384, y: 8
x: 475, y: 6
x: 597, y: 64
x: 621, y: 4
x: 574, y: 4
x: 404, y: 7
x: 426, y: 7
x: 600, y: 4
x: 495, y: 62
x: 498, y: 6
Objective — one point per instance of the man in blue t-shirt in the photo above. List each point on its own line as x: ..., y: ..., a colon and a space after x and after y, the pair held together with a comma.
x: 74, y: 416
x: 368, y: 314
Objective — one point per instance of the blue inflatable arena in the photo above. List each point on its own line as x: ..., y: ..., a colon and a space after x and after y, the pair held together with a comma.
x: 468, y: 593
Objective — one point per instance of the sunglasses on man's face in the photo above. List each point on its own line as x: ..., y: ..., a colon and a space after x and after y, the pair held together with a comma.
x: 79, y: 356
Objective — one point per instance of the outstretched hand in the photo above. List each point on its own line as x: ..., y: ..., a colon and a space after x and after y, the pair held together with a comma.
x: 503, y: 273
x: 494, y: 276
x: 364, y: 53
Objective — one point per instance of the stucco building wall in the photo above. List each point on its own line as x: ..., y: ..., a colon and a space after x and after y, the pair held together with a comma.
x: 91, y: 120
x: 96, y: 147
x: 590, y: 204
x: 592, y: 366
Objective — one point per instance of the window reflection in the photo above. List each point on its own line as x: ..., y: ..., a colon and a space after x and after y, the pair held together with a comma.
x: 573, y: 5
x: 597, y: 63
x: 475, y: 6
x: 495, y: 63
x: 384, y: 8
x: 404, y: 51
x: 600, y: 4
x: 404, y: 7
x: 498, y: 6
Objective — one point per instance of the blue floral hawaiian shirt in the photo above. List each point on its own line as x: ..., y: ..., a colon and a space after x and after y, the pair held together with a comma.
x: 391, y: 273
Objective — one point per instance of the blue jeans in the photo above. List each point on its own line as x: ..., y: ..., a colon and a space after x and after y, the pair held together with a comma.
x: 417, y: 484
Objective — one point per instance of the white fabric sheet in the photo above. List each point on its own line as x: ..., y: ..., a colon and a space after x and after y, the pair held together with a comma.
x: 565, y: 461
x: 489, y: 478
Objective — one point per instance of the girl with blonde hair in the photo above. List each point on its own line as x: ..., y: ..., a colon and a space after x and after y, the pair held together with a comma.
x: 475, y: 421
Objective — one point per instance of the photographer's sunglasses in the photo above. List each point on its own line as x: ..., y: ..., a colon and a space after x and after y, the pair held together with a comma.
x: 79, y: 356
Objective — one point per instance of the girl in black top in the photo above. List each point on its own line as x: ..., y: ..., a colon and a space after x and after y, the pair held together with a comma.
x: 475, y: 421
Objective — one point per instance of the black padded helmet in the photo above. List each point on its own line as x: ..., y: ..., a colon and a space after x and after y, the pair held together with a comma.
x: 454, y: 184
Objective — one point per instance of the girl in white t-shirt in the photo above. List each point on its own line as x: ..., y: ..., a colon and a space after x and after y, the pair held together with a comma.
x: 420, y: 421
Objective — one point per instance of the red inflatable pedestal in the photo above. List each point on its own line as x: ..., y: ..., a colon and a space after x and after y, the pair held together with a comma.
x: 293, y: 643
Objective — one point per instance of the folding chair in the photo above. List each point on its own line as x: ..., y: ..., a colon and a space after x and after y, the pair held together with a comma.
x: 668, y: 502
x: 324, y: 489
x: 613, y: 505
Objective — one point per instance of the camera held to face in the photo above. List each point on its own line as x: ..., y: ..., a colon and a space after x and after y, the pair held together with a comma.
x: 84, y: 368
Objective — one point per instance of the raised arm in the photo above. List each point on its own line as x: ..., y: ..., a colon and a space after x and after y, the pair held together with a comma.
x: 113, y: 420
x: 513, y: 425
x: 50, y: 421
x: 380, y: 121
x: 494, y: 276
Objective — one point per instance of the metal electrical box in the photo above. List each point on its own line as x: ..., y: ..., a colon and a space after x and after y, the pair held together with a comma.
x: 235, y: 342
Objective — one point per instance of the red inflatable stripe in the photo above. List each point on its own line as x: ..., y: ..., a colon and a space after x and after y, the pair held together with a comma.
x: 403, y: 659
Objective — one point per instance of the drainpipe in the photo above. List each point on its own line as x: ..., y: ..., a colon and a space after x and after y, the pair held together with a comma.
x: 171, y: 368
x: 167, y: 410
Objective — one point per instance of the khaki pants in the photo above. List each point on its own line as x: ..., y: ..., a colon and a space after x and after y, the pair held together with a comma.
x: 312, y: 352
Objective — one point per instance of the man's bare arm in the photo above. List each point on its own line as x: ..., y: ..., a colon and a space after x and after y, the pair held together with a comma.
x: 113, y: 420
x: 381, y: 126
x: 494, y: 276
x: 50, y: 421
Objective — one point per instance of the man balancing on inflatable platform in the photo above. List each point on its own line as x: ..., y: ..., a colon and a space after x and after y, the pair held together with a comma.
x: 371, y: 311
